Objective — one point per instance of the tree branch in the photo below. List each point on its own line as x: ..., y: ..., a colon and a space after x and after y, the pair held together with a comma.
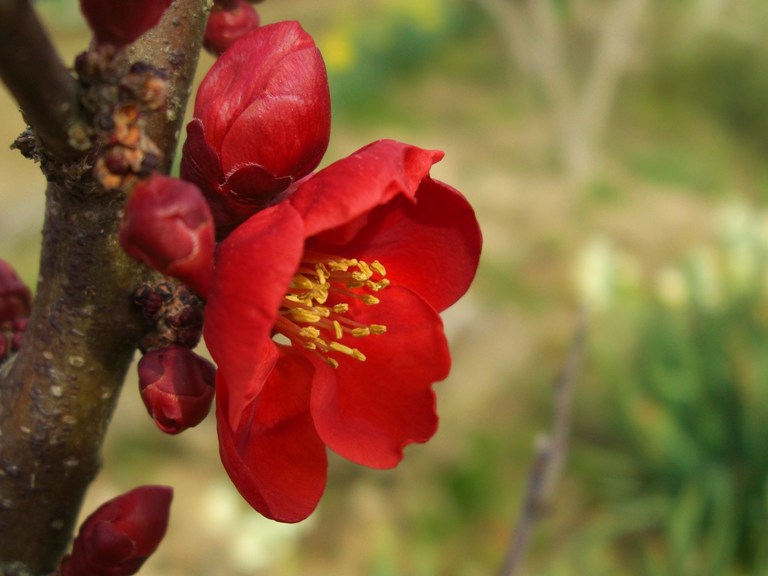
x: 58, y: 394
x: 590, y: 115
x: 549, y: 459
x: 41, y: 84
x: 161, y: 47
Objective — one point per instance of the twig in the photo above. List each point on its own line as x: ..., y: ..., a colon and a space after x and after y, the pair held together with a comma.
x: 35, y: 75
x: 549, y: 459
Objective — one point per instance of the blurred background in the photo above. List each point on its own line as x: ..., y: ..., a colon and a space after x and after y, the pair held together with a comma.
x: 614, y: 151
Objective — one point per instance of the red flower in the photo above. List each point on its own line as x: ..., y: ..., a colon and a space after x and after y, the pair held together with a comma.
x: 117, y: 538
x: 350, y: 271
x: 120, y: 22
x: 261, y: 121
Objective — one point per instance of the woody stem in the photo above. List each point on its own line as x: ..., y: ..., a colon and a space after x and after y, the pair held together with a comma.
x: 58, y: 393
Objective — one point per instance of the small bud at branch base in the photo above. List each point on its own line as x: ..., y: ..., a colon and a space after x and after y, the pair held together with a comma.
x: 120, y: 22
x: 176, y: 386
x: 168, y: 226
x: 121, y: 534
x: 227, y: 23
x: 15, y: 297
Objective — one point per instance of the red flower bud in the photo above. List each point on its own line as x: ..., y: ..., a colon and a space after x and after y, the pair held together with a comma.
x: 168, y: 226
x: 15, y: 297
x: 120, y: 22
x: 121, y: 534
x: 177, y: 387
x: 262, y: 121
x: 229, y: 21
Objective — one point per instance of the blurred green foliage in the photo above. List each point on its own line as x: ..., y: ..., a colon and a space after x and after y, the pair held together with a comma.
x: 672, y: 447
x: 400, y: 44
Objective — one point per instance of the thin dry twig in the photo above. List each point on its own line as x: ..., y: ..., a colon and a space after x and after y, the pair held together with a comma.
x: 550, y: 454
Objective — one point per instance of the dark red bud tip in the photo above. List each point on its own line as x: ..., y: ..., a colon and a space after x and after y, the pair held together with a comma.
x: 120, y: 22
x: 15, y: 297
x: 177, y: 387
x: 229, y: 21
x: 168, y: 226
x: 121, y: 534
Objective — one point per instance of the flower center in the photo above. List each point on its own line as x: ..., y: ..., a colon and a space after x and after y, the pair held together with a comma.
x: 307, y: 318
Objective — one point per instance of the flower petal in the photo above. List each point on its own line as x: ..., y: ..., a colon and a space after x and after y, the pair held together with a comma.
x: 432, y: 245
x: 373, y: 409
x: 232, y: 197
x: 253, y: 267
x: 199, y: 162
x: 274, y: 455
x: 351, y: 187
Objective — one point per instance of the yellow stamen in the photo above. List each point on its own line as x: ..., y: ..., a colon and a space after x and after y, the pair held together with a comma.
x: 376, y: 286
x: 307, y: 321
x: 309, y: 332
x: 302, y: 315
x: 378, y: 268
x: 354, y: 352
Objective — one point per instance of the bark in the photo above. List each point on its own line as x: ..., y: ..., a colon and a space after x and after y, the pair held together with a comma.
x: 58, y: 393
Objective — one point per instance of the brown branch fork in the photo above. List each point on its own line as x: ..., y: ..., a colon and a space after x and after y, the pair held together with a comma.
x: 58, y: 392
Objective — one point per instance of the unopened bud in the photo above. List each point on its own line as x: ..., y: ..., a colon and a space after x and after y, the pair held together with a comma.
x: 229, y: 21
x: 262, y: 121
x: 15, y: 297
x: 120, y: 22
x: 168, y: 226
x: 121, y: 534
x: 177, y: 387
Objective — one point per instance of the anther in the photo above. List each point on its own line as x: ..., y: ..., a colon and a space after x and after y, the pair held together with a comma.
x: 309, y: 332
x: 301, y: 281
x: 376, y: 286
x: 354, y: 352
x: 302, y: 315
